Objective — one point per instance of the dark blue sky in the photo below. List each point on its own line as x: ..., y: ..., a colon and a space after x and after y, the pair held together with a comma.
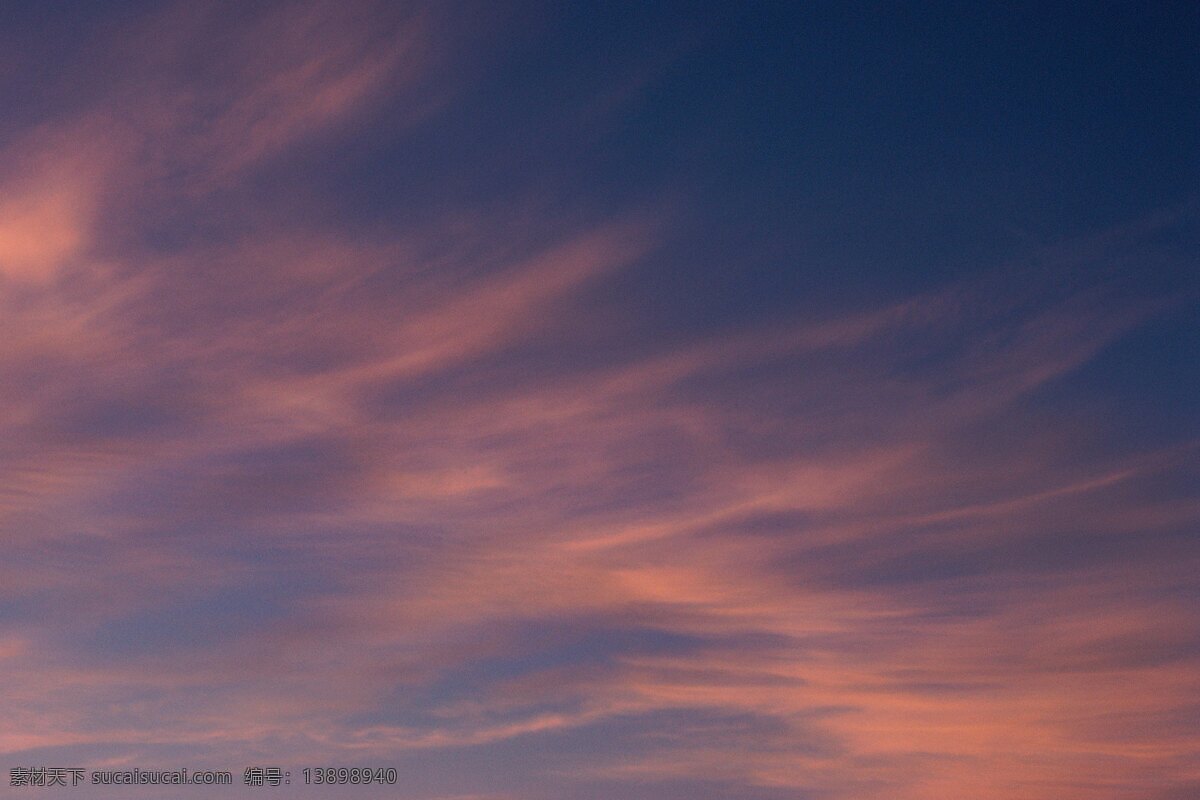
x: 814, y: 154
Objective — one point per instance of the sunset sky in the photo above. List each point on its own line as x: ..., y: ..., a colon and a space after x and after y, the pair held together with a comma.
x: 602, y: 401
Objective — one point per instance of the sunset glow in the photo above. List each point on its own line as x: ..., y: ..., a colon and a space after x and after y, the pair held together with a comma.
x: 640, y: 401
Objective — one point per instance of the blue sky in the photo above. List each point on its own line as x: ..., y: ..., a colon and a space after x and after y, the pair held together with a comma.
x: 590, y: 400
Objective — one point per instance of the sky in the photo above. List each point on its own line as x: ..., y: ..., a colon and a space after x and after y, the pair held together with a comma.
x: 574, y: 401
